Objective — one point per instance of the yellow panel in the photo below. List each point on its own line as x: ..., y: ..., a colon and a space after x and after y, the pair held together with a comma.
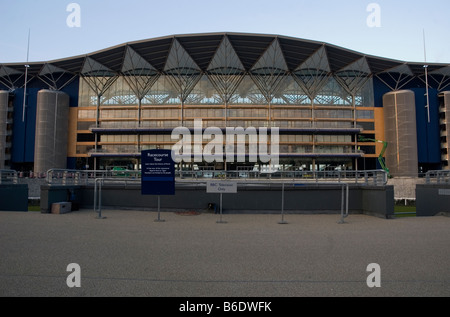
x: 379, y: 128
x: 72, y: 136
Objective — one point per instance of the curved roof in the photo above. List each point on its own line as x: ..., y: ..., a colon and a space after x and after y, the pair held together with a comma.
x: 249, y: 48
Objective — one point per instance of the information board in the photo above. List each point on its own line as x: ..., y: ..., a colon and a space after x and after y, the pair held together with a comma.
x: 218, y: 187
x: 158, y: 172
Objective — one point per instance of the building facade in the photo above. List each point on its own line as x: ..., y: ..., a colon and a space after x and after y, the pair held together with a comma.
x: 335, y: 108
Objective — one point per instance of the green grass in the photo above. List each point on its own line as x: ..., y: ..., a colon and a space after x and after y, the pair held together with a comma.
x: 405, y: 211
x: 34, y: 208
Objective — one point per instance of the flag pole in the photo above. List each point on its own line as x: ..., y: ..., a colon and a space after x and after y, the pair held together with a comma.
x: 26, y: 79
x: 426, y: 77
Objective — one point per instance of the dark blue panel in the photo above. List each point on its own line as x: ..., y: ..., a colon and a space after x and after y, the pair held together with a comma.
x: 24, y: 131
x: 379, y: 90
x: 428, y: 134
x: 72, y: 90
x: 71, y: 163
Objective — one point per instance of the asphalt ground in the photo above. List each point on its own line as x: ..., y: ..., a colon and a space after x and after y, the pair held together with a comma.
x: 128, y: 254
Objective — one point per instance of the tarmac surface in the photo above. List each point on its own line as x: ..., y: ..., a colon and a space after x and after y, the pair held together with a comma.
x: 128, y: 254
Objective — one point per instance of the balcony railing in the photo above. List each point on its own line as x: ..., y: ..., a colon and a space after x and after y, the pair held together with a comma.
x: 8, y: 177
x: 438, y: 177
x: 82, y: 177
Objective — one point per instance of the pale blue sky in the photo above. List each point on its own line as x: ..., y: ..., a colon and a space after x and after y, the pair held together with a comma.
x: 108, y: 23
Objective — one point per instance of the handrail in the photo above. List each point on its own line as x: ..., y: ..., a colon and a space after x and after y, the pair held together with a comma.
x: 86, y: 177
x: 8, y: 177
x: 439, y: 177
x: 98, y: 183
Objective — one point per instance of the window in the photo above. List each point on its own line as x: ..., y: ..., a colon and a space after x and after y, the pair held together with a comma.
x: 365, y: 114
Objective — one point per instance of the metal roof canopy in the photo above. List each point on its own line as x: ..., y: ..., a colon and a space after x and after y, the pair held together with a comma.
x: 202, y: 48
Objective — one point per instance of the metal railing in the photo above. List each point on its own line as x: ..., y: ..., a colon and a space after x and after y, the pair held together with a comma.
x: 438, y: 177
x: 372, y: 177
x: 201, y: 185
x: 84, y: 177
x: 8, y: 177
x: 99, y: 182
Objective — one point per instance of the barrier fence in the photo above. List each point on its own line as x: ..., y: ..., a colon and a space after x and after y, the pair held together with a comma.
x: 8, y: 177
x: 438, y: 177
x: 280, y: 186
x: 82, y: 177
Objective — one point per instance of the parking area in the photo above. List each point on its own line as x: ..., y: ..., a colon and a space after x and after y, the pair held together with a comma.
x: 191, y: 255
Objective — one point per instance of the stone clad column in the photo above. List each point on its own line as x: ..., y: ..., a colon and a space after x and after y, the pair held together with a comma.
x: 52, y: 123
x: 401, y: 133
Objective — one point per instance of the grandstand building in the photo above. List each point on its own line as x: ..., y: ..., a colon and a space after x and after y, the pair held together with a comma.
x: 335, y: 108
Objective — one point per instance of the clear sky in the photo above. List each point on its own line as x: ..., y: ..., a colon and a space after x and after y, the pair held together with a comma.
x: 396, y: 32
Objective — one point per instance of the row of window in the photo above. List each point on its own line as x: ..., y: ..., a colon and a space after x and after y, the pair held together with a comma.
x: 170, y: 124
x: 84, y: 126
x: 283, y: 138
x: 219, y: 113
x: 283, y: 149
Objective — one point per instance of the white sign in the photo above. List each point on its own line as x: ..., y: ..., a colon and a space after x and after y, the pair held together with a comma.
x: 224, y: 187
x: 444, y: 192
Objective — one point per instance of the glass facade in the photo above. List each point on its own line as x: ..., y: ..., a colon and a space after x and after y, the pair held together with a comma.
x: 318, y: 112
x: 326, y: 101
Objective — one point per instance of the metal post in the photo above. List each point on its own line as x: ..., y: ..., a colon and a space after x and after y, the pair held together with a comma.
x: 342, y: 204
x: 221, y: 221
x: 95, y: 195
x: 344, y: 201
x: 282, y: 222
x: 159, y: 210
x: 347, y: 200
x: 100, y: 201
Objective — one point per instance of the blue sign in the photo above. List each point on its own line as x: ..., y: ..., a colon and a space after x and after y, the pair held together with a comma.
x: 158, y: 172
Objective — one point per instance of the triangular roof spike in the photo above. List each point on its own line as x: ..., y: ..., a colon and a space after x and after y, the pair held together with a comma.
x: 226, y: 57
x: 270, y: 70
x: 6, y: 80
x: 445, y: 71
x: 139, y: 74
x: 401, y: 69
x: 55, y: 76
x: 133, y: 61
x: 442, y: 82
x: 272, y: 58
x: 179, y: 58
x: 98, y: 76
x: 313, y: 73
x: 51, y: 69
x: 354, y: 76
x: 358, y: 66
x: 92, y: 67
x: 318, y: 60
x: 225, y: 70
x: 397, y: 77
x: 182, y: 70
x: 8, y: 71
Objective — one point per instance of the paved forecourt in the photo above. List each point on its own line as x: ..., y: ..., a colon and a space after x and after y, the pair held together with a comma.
x: 129, y: 254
